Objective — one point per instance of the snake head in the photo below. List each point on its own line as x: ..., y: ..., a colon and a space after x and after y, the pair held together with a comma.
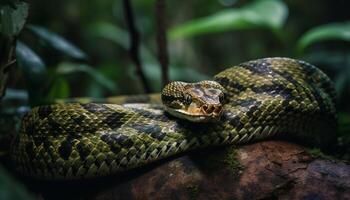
x: 196, y: 102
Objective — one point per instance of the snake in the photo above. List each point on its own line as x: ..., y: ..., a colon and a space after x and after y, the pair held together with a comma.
x: 248, y: 102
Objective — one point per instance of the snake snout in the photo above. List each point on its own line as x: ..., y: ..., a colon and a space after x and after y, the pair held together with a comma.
x: 212, y: 109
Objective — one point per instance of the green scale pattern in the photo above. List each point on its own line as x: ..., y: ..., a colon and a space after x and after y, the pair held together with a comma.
x: 265, y: 97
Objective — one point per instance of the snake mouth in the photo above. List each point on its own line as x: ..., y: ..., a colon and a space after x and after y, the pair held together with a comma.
x: 208, y: 113
x: 214, y: 110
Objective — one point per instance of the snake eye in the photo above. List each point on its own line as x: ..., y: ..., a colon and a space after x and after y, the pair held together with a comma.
x: 188, y: 99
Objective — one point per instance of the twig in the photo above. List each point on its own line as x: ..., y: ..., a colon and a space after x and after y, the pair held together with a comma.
x: 8, y: 45
x: 135, y: 44
x: 161, y: 40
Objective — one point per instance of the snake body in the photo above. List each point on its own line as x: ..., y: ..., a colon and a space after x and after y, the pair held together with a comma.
x: 264, y: 97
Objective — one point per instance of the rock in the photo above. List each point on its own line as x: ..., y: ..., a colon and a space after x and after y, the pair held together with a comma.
x: 264, y: 170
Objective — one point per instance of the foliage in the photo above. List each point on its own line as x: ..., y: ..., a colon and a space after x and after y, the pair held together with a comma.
x: 334, y: 31
x: 233, y: 165
x: 13, y: 18
x: 69, y: 68
x: 57, y: 42
x: 254, y: 15
x: 34, y: 72
x: 193, y: 191
x: 71, y: 49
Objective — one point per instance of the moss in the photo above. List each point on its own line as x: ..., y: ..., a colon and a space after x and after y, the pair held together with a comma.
x: 317, y: 153
x: 231, y: 161
x: 209, y: 160
x: 193, y: 191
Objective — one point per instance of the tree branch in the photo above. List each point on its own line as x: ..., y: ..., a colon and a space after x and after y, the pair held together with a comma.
x: 161, y: 40
x: 7, y: 59
x: 135, y: 43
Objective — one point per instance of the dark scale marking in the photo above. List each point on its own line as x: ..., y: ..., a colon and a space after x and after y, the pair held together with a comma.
x: 313, y: 88
x: 65, y: 148
x: 311, y: 71
x: 47, y: 144
x: 79, y: 119
x: 88, y: 128
x: 30, y: 150
x: 198, y: 87
x: 225, y: 82
x: 275, y: 89
x: 289, y: 78
x: 44, y: 111
x: 38, y: 140
x: 261, y: 67
x: 318, y: 98
x: 159, y: 135
x: 115, y: 148
x: 83, y: 150
x: 116, y: 140
x: 105, y: 137
x: 148, y: 153
x: 151, y: 115
x: 55, y: 128
x: 253, y: 108
x: 95, y: 108
x: 125, y: 141
x: 234, y: 120
x: 151, y: 129
x: 114, y: 120
x: 329, y: 89
x: 288, y: 108
x: 209, y: 97
x: 167, y: 98
x: 212, y: 91
x: 244, y: 102
x: 74, y: 135
x: 308, y: 68
x: 30, y: 128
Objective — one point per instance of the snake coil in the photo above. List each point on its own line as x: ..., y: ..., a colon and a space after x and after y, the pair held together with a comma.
x: 264, y: 97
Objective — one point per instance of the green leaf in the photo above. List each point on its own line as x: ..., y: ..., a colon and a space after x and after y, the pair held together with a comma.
x: 13, y: 18
x: 60, y: 89
x: 57, y: 42
x: 118, y: 36
x: 10, y: 189
x: 34, y: 72
x: 33, y: 67
x: 335, y: 31
x: 68, y: 68
x: 269, y: 14
x: 110, y: 32
x: 15, y: 94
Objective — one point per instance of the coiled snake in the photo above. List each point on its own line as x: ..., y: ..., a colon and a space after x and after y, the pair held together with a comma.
x: 263, y: 97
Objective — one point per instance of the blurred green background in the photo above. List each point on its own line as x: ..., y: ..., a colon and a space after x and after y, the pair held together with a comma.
x: 205, y: 37
x: 75, y: 48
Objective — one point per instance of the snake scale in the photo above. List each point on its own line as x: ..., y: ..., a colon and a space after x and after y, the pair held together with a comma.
x: 264, y: 97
